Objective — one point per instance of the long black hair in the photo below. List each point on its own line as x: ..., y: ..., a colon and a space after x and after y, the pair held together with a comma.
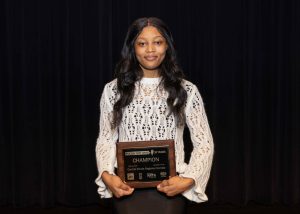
x: 128, y: 71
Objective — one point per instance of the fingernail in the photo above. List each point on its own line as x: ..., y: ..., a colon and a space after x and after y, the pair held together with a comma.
x: 158, y: 186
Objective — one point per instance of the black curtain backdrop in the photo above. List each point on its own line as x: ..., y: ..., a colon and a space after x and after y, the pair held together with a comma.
x: 56, y: 56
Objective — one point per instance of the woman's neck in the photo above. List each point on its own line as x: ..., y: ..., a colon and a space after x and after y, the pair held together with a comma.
x: 151, y: 73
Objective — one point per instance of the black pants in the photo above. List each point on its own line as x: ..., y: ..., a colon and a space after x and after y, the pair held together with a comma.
x: 144, y: 201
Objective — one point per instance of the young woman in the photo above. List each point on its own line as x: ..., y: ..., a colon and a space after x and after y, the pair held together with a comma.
x: 151, y: 100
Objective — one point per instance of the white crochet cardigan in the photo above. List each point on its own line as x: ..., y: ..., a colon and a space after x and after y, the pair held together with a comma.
x: 146, y: 118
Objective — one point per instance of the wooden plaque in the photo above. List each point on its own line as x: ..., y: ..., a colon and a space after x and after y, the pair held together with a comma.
x: 143, y: 164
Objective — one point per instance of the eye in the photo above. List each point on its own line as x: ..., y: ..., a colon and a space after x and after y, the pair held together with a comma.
x: 142, y: 44
x: 158, y: 42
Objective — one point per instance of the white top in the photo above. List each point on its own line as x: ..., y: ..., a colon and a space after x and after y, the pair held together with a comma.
x: 146, y: 118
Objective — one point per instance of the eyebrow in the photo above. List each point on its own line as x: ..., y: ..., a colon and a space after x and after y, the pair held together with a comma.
x: 146, y: 39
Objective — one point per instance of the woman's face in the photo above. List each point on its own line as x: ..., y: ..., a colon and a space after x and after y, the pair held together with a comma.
x: 150, y: 49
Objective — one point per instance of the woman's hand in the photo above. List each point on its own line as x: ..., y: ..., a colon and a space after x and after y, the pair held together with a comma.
x: 116, y: 185
x: 175, y: 185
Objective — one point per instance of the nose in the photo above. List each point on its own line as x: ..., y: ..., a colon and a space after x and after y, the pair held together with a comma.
x: 150, y: 48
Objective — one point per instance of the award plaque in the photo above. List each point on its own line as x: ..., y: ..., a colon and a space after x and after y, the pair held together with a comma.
x: 144, y: 164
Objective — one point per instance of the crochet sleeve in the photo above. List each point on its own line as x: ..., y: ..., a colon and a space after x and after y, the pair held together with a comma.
x: 200, y: 162
x: 106, y: 142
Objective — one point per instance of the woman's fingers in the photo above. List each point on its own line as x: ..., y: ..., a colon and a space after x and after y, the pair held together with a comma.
x: 172, y: 186
x: 121, y: 192
x: 164, y: 183
x: 167, y: 188
x: 118, y: 187
x: 126, y: 192
x: 123, y: 189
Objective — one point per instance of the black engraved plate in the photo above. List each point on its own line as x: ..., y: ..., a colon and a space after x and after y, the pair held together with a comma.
x: 145, y: 163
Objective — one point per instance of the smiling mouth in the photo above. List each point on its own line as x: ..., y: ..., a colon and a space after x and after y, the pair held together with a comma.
x: 151, y: 58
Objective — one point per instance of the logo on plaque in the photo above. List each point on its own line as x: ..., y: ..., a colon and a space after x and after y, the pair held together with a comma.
x: 130, y: 176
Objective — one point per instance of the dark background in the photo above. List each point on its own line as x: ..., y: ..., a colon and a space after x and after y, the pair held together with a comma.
x: 56, y: 56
